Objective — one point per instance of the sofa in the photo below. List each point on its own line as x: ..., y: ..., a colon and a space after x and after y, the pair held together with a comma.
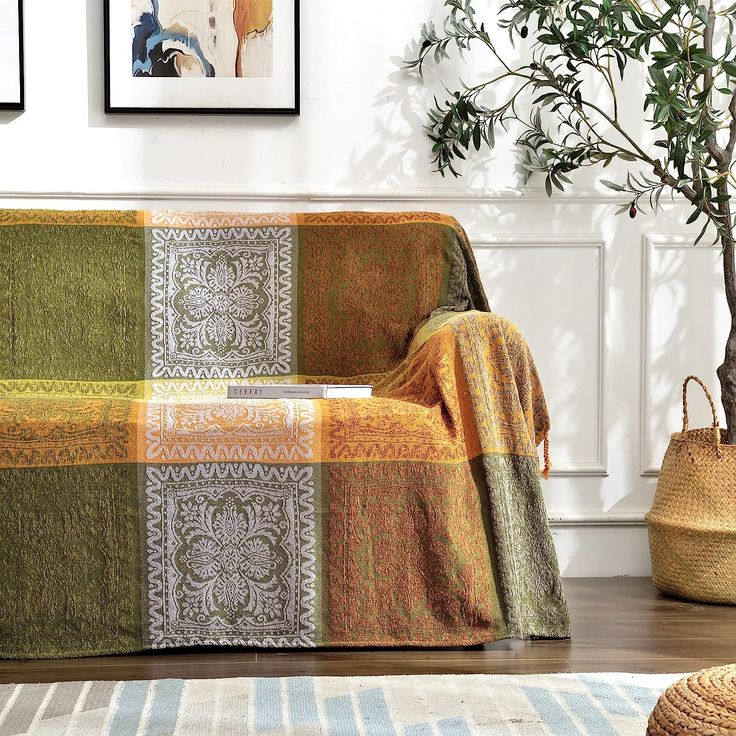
x: 142, y: 509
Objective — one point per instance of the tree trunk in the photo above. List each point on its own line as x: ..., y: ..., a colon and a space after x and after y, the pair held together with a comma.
x: 727, y: 371
x: 727, y: 377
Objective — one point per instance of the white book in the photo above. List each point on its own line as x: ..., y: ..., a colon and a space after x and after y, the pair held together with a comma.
x: 298, y: 391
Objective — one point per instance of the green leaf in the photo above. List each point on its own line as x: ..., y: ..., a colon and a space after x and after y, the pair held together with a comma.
x: 612, y: 185
x: 702, y: 232
x: 702, y: 59
x: 694, y: 216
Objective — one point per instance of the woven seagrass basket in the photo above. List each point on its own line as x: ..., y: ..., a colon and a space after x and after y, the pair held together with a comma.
x: 692, y: 523
x: 703, y: 703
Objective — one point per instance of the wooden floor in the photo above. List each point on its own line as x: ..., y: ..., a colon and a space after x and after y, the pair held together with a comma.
x: 619, y: 624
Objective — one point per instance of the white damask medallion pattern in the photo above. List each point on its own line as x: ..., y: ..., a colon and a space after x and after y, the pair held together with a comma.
x: 220, y: 302
x: 230, y: 556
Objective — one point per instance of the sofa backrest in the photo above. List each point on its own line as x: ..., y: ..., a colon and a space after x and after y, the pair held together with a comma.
x: 133, y: 295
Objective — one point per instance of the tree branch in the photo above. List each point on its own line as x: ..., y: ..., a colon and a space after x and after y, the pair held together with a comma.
x: 729, y: 262
x: 732, y: 128
x: 718, y: 153
x: 685, y: 189
x: 708, y: 44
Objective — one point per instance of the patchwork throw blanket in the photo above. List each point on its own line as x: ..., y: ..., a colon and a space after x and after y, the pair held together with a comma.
x: 140, y: 508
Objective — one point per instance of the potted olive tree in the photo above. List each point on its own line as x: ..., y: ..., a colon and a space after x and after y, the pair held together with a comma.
x: 686, y: 53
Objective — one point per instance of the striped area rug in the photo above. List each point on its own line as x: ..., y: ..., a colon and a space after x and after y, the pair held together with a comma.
x: 443, y: 705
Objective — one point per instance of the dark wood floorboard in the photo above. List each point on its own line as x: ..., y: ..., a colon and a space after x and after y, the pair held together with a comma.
x: 619, y: 624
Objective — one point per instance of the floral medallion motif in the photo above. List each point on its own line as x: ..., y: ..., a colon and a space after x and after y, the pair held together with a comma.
x: 230, y: 555
x: 221, y: 303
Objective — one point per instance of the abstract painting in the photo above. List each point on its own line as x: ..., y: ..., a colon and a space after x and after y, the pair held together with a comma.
x: 11, y: 54
x: 207, y: 56
x: 202, y: 38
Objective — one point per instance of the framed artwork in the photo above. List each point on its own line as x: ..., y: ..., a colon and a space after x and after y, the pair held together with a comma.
x: 202, y: 56
x: 11, y: 55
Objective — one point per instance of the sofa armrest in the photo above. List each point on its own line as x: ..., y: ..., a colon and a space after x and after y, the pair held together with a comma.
x: 493, y: 350
x: 435, y: 323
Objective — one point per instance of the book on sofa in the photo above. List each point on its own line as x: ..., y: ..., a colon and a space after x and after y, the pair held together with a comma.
x: 299, y: 391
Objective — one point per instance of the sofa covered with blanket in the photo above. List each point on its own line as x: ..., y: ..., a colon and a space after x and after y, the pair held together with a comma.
x: 142, y: 509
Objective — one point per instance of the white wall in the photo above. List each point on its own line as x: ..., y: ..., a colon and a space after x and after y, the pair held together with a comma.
x: 617, y: 311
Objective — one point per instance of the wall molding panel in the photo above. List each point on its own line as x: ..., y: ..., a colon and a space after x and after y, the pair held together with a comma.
x: 649, y: 466
x: 651, y: 245
x: 597, y: 519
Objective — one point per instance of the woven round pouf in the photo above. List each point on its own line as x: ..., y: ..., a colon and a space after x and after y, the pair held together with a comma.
x: 702, y: 704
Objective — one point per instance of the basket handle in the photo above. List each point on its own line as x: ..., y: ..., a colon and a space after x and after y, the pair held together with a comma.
x: 716, y: 428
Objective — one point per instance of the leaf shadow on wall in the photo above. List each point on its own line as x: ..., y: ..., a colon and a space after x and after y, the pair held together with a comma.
x: 402, y: 150
x: 687, y: 331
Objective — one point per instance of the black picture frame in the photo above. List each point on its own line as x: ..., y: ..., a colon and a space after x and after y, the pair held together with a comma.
x: 21, y: 105
x: 111, y: 110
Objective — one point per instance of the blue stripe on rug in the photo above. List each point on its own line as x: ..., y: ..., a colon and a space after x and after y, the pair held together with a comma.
x: 421, y: 729
x: 645, y: 698
x: 302, y: 702
x: 453, y: 727
x: 129, y: 707
x: 165, y: 708
x: 268, y: 716
x: 596, y: 723
x: 550, y: 711
x: 376, y: 718
x: 608, y: 696
x: 341, y: 716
